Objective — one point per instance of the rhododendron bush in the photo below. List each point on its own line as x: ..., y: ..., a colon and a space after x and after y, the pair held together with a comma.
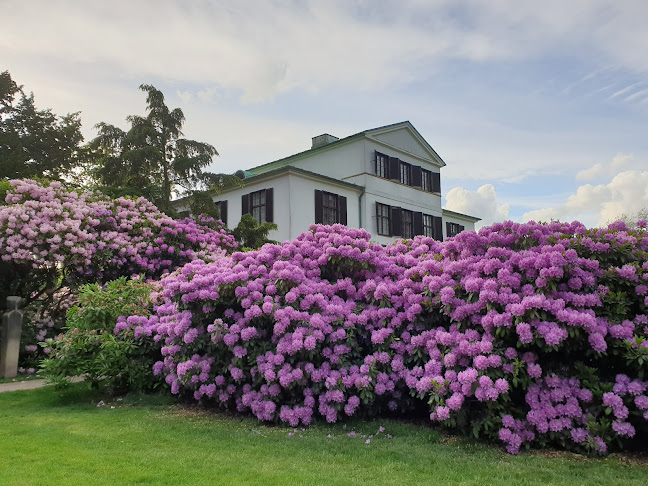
x: 529, y: 334
x: 52, y: 237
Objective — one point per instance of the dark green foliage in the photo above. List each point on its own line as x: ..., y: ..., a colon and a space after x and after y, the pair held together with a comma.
x: 35, y: 143
x: 250, y: 234
x: 203, y: 203
x: 90, y: 348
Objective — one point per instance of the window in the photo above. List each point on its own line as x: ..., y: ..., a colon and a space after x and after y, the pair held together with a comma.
x: 407, y: 222
x: 330, y: 208
x: 411, y: 175
x: 406, y: 173
x: 428, y: 226
x: 222, y: 210
x: 394, y: 221
x: 259, y: 204
x: 453, y: 229
x: 382, y: 219
x: 382, y: 165
x: 426, y: 180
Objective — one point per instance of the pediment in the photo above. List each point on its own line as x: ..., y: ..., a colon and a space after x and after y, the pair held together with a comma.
x: 403, y: 136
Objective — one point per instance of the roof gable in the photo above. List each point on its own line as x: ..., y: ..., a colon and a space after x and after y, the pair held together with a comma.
x: 403, y: 136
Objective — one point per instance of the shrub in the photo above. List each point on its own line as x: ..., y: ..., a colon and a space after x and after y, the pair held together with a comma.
x: 530, y: 334
x: 89, y: 348
x: 52, y: 237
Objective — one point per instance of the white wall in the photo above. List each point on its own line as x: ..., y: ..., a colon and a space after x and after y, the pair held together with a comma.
x: 294, y: 202
x: 281, y: 201
x: 302, y: 197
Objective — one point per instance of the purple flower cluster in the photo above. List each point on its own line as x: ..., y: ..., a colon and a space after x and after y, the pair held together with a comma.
x: 331, y: 325
x: 92, y: 237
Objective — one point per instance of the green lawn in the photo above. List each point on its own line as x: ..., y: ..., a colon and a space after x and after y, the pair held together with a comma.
x: 50, y: 437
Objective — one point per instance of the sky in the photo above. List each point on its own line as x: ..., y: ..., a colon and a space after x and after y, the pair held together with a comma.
x: 539, y: 109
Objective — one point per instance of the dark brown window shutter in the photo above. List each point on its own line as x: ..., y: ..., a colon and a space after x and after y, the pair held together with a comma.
x: 223, y: 212
x: 395, y: 223
x: 342, y: 209
x: 377, y: 217
x: 394, y: 168
x: 436, y: 182
x: 461, y: 228
x: 438, y: 228
x: 417, y: 176
x: 269, y: 205
x: 245, y: 204
x: 418, y: 223
x: 319, y: 208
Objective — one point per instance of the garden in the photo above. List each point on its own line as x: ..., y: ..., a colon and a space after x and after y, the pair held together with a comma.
x: 519, y: 338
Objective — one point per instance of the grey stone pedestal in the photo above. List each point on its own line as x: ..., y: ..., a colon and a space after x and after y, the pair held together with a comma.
x: 10, y: 338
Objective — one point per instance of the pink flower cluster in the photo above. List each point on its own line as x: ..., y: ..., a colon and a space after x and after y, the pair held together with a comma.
x: 92, y: 237
x: 504, y: 325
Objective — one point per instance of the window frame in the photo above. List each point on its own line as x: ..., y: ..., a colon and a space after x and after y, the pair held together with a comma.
x: 453, y: 229
x: 260, y: 207
x: 428, y: 225
x: 405, y: 173
x: 407, y: 224
x: 265, y: 206
x: 426, y: 180
x: 381, y: 165
x: 330, y: 208
x: 383, y: 219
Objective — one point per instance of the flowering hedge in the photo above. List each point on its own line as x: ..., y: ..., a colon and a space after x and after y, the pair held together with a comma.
x: 52, y: 237
x: 531, y: 334
x: 92, y: 237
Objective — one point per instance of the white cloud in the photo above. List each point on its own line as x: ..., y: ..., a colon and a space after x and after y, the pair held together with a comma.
x: 185, y: 96
x: 592, y: 173
x: 600, y: 170
x: 264, y: 48
x: 91, y: 56
x: 626, y: 193
x: 481, y: 203
x: 621, y: 160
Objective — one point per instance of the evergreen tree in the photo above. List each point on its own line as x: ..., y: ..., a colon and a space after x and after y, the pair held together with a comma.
x: 152, y: 158
x: 35, y: 143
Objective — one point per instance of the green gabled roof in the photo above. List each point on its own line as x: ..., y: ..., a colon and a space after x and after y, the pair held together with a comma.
x: 260, y: 169
x: 297, y: 170
x: 250, y: 177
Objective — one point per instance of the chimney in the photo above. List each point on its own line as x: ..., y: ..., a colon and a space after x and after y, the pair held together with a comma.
x: 324, y: 139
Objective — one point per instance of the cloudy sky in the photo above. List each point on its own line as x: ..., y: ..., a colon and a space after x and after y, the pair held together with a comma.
x: 539, y: 109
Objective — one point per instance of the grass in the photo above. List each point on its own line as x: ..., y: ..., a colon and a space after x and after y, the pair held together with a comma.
x: 52, y: 437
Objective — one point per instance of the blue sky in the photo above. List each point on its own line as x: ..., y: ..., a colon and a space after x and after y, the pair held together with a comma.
x: 540, y: 109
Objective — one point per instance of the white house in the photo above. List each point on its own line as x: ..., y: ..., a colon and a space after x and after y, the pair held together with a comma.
x: 385, y: 180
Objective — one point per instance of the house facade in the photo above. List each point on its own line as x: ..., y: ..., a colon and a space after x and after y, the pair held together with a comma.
x: 386, y: 180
